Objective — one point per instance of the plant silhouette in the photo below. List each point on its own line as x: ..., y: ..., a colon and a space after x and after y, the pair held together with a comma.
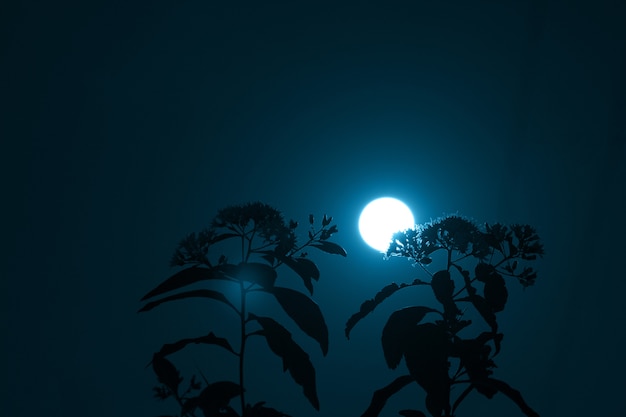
x: 430, y: 348
x: 264, y: 242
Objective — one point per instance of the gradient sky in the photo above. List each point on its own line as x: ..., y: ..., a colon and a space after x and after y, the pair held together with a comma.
x: 125, y: 126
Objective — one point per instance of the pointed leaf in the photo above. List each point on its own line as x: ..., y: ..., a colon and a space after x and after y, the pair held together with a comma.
x: 398, y: 329
x: 186, y: 277
x: 259, y: 410
x: 484, y: 309
x: 369, y: 305
x: 209, y: 339
x: 426, y: 357
x: 268, y: 255
x: 305, y: 268
x: 443, y: 288
x: 461, y: 397
x: 380, y: 397
x: 213, y: 398
x: 513, y: 394
x: 295, y: 360
x: 494, y: 290
x: 305, y: 312
x: 261, y: 274
x: 166, y: 372
x: 330, y: 247
x: 223, y: 236
x: 190, y: 294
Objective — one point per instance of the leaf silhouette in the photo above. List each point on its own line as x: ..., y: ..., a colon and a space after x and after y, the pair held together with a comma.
x: 426, y: 357
x: 166, y: 372
x: 443, y: 288
x: 213, y: 398
x: 399, y: 326
x: 305, y: 268
x: 513, y: 394
x: 186, y: 277
x: 484, y: 309
x: 295, y: 360
x: 259, y: 410
x: 495, y: 292
x: 369, y: 305
x: 215, y: 295
x: 210, y: 339
x: 330, y: 247
x: 261, y: 274
x: 305, y: 312
x: 461, y: 397
x: 380, y: 397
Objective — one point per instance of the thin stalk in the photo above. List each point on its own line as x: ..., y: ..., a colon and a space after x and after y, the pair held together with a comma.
x: 242, y: 346
x: 242, y: 317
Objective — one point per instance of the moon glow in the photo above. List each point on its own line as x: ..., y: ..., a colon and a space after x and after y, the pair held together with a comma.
x: 381, y: 218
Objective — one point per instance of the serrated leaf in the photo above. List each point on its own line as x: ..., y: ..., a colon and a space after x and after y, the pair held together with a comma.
x: 369, y: 305
x: 382, y: 395
x: 305, y: 312
x: 305, y: 268
x: 330, y: 247
x: 398, y: 328
x: 186, y: 277
x: 295, y: 360
x: 210, y: 339
x: 215, y: 295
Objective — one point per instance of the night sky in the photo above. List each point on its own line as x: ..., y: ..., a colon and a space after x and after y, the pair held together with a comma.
x: 126, y: 126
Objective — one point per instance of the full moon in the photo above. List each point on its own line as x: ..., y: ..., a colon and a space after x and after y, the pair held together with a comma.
x: 381, y: 218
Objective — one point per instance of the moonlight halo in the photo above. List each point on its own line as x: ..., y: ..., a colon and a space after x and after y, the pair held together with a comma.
x: 381, y: 218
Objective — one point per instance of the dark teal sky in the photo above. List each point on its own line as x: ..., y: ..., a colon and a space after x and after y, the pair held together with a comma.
x: 124, y: 127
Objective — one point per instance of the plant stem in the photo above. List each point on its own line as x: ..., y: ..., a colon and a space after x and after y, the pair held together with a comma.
x: 242, y: 316
x: 243, y: 345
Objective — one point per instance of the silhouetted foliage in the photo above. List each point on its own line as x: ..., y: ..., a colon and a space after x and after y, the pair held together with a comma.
x: 267, y: 242
x: 429, y: 348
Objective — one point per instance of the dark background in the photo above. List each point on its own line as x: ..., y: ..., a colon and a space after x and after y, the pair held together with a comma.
x: 125, y: 126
